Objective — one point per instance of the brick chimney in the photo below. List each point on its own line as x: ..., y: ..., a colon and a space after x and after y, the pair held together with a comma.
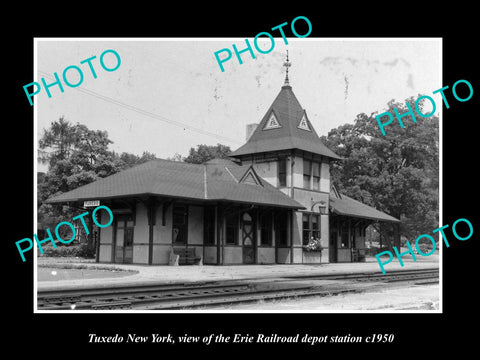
x: 250, y: 129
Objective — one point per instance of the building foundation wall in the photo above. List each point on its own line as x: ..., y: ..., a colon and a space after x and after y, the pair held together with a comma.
x: 105, y: 253
x: 233, y: 255
x: 140, y: 253
x: 283, y: 256
x: 266, y: 255
x: 210, y: 255
x: 161, y: 254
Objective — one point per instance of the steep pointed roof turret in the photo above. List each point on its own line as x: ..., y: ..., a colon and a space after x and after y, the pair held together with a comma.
x: 285, y: 126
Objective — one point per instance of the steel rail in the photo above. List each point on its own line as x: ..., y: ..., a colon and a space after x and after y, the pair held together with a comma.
x: 187, y: 295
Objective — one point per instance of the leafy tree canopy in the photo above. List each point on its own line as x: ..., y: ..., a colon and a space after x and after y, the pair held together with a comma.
x: 397, y: 173
x: 76, y: 156
x: 207, y: 152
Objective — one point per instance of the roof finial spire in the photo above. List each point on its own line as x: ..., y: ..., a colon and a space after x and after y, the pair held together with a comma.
x: 287, y: 64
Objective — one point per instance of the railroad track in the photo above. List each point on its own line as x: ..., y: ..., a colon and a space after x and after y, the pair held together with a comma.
x: 192, y: 295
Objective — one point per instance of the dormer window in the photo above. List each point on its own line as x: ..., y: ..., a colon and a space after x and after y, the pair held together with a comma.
x: 304, y: 124
x: 272, y: 122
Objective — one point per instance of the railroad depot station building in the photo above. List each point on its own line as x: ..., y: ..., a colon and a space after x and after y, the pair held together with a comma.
x: 262, y: 206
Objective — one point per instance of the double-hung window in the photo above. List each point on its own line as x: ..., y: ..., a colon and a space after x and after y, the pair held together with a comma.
x: 231, y: 237
x: 316, y: 176
x: 311, y: 175
x: 282, y: 172
x: 180, y: 224
x: 266, y: 229
x: 307, y: 173
x: 311, y: 227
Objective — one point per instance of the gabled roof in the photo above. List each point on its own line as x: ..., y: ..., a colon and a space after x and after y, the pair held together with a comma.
x: 288, y: 130
x: 343, y: 205
x: 212, y: 181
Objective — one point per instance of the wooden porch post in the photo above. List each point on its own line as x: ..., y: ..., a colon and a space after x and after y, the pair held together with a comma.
x: 223, y: 234
x: 151, y: 215
x: 257, y: 233
x: 216, y: 232
x: 349, y: 238
x: 381, y: 236
x: 396, y: 236
x: 97, y: 240
x: 290, y: 233
x: 273, y: 240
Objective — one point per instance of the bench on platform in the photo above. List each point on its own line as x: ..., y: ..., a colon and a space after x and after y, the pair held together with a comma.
x: 358, y: 255
x: 184, y: 256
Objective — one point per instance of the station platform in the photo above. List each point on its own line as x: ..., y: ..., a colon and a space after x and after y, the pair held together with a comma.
x: 163, y: 274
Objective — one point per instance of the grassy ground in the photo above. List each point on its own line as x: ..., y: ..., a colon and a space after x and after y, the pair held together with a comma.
x: 72, y: 268
x: 74, y: 263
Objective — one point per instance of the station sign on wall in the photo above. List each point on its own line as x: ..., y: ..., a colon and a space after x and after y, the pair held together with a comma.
x: 91, y: 203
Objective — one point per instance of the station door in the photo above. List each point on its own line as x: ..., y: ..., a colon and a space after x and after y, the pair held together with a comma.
x: 124, y: 240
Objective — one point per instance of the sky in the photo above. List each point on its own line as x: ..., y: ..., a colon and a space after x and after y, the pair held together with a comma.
x: 169, y: 94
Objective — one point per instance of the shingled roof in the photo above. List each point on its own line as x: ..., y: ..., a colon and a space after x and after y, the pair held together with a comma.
x: 212, y: 181
x: 288, y: 132
x: 343, y: 205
